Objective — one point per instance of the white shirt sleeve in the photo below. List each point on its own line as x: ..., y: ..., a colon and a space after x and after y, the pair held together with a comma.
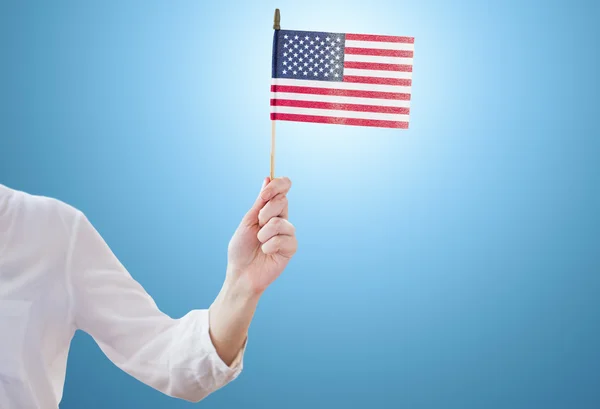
x: 174, y: 356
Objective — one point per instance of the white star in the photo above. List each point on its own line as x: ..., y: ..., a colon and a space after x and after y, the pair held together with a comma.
x: 305, y: 64
x: 316, y: 74
x: 331, y: 70
x: 337, y: 48
x: 306, y: 38
x: 312, y: 51
x: 322, y: 43
x: 295, y: 72
x: 332, y: 61
x: 317, y: 38
x: 289, y: 58
x: 305, y: 72
x: 326, y: 65
x: 327, y: 39
x: 285, y: 36
x: 327, y: 48
x: 338, y: 39
x: 285, y: 45
x: 295, y: 55
x: 321, y: 51
x: 301, y: 41
x: 306, y: 46
x: 327, y: 75
x: 295, y: 45
x: 296, y: 37
x: 285, y: 63
x: 321, y: 69
x: 284, y: 71
x: 316, y: 47
x: 337, y: 57
x: 337, y: 66
x: 305, y: 55
x: 311, y: 60
x: 336, y: 75
x: 312, y: 42
x: 295, y: 63
x: 300, y: 59
x: 321, y: 61
x: 285, y: 54
x: 310, y: 68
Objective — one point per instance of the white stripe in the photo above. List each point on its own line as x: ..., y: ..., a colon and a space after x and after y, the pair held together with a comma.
x: 339, y: 114
x: 380, y: 45
x: 377, y: 73
x: 378, y: 59
x: 340, y: 100
x: 340, y: 85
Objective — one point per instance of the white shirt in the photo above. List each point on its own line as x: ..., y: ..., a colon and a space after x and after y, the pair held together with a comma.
x: 58, y: 275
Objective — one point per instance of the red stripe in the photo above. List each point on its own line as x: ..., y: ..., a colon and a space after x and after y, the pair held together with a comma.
x: 376, y: 80
x: 339, y: 107
x: 380, y: 38
x: 377, y: 66
x: 340, y: 121
x: 341, y: 92
x: 378, y: 52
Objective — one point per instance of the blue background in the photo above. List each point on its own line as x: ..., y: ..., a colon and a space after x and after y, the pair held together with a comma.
x: 453, y: 265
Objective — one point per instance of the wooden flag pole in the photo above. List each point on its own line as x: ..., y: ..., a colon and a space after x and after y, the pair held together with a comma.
x: 276, y: 26
x: 272, y: 149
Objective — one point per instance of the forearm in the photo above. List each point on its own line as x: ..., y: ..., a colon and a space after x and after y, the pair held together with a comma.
x: 230, y: 316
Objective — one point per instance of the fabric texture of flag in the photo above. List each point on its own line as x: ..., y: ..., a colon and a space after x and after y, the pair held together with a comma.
x: 347, y: 79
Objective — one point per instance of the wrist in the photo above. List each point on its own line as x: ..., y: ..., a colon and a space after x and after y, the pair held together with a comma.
x: 239, y: 283
x: 237, y: 291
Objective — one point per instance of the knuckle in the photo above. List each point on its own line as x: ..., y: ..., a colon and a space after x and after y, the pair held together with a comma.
x: 277, y: 242
x: 277, y: 223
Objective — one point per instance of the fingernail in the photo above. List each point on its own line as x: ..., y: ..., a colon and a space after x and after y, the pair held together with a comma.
x: 264, y: 183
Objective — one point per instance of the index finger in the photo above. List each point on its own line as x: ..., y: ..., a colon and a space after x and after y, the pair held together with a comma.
x: 275, y: 187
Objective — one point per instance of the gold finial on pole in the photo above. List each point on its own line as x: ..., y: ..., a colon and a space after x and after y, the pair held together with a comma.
x: 277, y: 20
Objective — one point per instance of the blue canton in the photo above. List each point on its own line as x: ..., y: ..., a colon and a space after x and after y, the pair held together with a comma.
x: 308, y: 55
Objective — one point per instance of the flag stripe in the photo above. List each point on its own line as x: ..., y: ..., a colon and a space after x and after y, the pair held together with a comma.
x: 376, y: 73
x: 380, y: 45
x: 379, y: 53
x: 377, y: 59
x: 341, y: 85
x: 339, y: 121
x: 339, y: 113
x: 377, y: 66
x: 382, y: 38
x: 340, y: 107
x: 341, y: 92
x: 340, y: 100
x: 375, y: 80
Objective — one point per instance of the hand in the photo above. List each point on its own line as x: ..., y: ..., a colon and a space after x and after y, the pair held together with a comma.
x: 265, y: 240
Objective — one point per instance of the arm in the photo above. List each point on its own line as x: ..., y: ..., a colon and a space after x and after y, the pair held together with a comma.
x: 192, y: 356
x: 258, y: 253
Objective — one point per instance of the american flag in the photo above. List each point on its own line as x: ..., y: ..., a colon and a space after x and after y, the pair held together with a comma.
x: 348, y: 79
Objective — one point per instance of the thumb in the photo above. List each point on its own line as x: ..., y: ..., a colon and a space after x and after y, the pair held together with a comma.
x: 252, y: 216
